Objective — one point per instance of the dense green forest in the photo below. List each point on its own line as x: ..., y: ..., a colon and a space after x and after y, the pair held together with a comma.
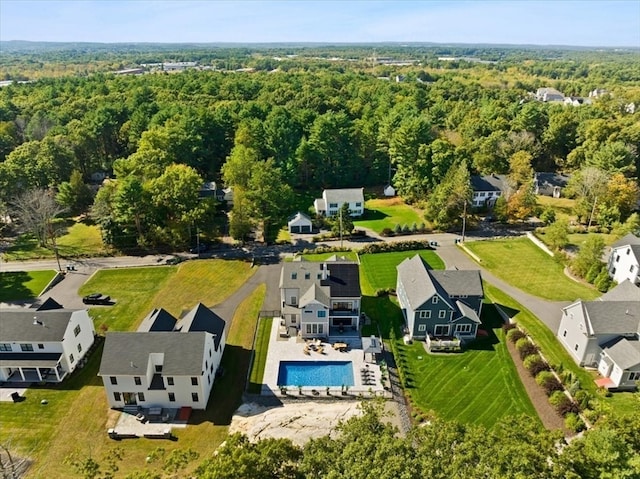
x: 306, y: 118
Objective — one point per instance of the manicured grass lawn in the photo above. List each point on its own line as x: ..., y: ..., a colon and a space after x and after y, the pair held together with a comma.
x: 563, y: 207
x: 576, y: 239
x: 260, y: 355
x: 387, y: 213
x: 79, y: 239
x: 379, y: 270
x: 176, y: 288
x: 521, y: 263
x: 77, y: 415
x: 20, y: 285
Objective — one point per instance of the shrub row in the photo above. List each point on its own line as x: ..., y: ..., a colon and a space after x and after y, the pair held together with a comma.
x: 325, y: 249
x: 399, y: 230
x: 525, y: 347
x: 383, y: 247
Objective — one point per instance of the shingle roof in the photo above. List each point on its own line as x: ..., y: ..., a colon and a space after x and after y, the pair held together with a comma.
x: 613, y: 317
x: 629, y: 239
x: 343, y: 277
x: 625, y: 291
x: 315, y: 293
x: 127, y: 353
x: 625, y: 353
x: 18, y: 324
x: 468, y: 312
x: 157, y: 320
x: 299, y: 216
x: 344, y: 195
x: 459, y: 282
x: 202, y: 318
x: 488, y: 182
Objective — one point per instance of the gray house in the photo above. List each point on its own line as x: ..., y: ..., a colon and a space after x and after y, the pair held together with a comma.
x: 550, y: 184
x: 605, y: 334
x: 487, y: 189
x: 439, y: 305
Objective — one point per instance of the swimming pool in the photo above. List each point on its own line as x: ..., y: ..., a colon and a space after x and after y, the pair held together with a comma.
x: 315, y: 373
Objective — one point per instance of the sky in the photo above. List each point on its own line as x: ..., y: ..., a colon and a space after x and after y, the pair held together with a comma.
x: 613, y: 23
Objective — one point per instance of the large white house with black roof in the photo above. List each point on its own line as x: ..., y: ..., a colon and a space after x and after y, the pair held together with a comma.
x: 487, y: 189
x: 167, y: 363
x: 39, y: 345
x: 439, y: 304
x: 333, y: 199
x: 605, y: 334
x: 320, y: 298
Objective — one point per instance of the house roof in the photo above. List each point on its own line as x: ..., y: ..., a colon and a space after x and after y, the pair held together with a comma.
x: 127, y: 353
x: 625, y: 291
x: 624, y: 352
x: 468, y: 312
x: 315, y: 293
x: 546, y: 182
x: 344, y: 195
x: 299, y: 216
x: 421, y: 282
x: 343, y: 279
x: 20, y: 324
x: 29, y: 360
x: 157, y: 320
x: 489, y: 182
x: 202, y: 318
x: 49, y: 304
x: 371, y: 345
x: 613, y: 317
x: 629, y: 239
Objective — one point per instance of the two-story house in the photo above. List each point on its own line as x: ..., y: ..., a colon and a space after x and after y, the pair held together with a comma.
x: 43, y: 345
x: 487, y: 189
x: 605, y: 334
x: 320, y: 299
x: 332, y: 200
x: 166, y: 363
x: 439, y: 304
x: 624, y: 260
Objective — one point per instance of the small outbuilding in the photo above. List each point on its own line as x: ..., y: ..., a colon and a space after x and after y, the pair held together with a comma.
x: 300, y: 223
x: 389, y: 191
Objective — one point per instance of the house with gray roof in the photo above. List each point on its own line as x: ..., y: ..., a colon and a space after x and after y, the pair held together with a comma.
x: 300, y: 223
x: 605, y: 334
x: 550, y: 184
x: 166, y: 363
x: 487, y: 189
x: 43, y: 345
x: 439, y: 305
x: 333, y: 199
x: 624, y: 260
x: 321, y: 299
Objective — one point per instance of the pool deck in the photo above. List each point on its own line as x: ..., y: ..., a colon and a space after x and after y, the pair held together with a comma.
x: 292, y: 349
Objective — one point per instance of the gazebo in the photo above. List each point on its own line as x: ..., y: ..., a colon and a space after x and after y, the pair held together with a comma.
x: 371, y: 346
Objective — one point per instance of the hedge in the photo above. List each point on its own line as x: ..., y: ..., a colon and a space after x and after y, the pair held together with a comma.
x: 384, y: 247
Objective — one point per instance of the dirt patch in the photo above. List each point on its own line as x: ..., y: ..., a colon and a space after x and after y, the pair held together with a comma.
x: 549, y: 417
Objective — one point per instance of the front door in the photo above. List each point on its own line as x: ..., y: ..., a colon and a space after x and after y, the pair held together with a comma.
x: 129, y: 399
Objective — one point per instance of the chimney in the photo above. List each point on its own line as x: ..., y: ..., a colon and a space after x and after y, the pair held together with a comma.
x: 325, y: 271
x: 37, y: 322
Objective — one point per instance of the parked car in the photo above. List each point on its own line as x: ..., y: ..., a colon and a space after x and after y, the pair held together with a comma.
x: 96, y: 298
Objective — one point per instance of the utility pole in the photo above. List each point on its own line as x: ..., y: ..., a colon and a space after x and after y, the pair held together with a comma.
x: 464, y: 219
x: 340, y: 228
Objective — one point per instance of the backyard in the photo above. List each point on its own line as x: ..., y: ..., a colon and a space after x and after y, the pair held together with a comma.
x: 77, y: 415
x: 387, y: 213
x: 23, y: 285
x: 520, y: 263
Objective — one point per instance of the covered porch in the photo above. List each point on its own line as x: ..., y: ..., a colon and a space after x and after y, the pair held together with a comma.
x: 32, y: 367
x: 443, y: 343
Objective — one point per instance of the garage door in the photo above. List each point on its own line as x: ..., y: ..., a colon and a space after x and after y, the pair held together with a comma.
x: 305, y: 229
x: 295, y: 229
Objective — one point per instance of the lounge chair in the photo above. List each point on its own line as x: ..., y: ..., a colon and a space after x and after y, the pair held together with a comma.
x: 306, y: 351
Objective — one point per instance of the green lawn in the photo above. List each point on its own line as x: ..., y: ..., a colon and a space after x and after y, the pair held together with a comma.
x: 77, y: 240
x: 260, y: 355
x: 522, y: 264
x: 21, y: 285
x: 563, y: 207
x: 387, y: 213
x: 379, y: 270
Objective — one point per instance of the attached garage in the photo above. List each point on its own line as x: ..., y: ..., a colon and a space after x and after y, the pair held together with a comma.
x: 300, y: 223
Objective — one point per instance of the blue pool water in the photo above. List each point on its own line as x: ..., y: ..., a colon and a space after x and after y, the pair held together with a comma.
x: 315, y: 373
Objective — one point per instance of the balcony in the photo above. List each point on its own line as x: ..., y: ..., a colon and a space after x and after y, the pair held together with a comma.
x: 343, y: 312
x: 443, y: 343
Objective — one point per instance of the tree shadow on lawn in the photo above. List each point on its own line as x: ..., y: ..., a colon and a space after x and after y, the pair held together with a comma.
x: 12, y: 286
x: 372, y: 215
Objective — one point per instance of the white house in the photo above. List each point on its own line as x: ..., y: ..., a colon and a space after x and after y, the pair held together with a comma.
x: 166, y: 363
x: 548, y: 94
x: 332, y: 201
x: 43, y: 345
x: 321, y: 299
x: 624, y: 260
x: 605, y: 334
x: 487, y: 189
x: 300, y: 223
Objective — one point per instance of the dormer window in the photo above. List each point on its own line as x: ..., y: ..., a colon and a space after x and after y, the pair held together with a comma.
x: 434, y: 300
x: 307, y: 276
x: 294, y: 275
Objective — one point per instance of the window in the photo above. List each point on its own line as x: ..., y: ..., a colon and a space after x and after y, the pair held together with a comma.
x: 634, y: 376
x: 424, y: 314
x: 79, y: 347
x: 628, y: 250
x: 5, y: 347
x: 206, y: 365
x: 41, y: 346
x: 71, y: 358
x: 307, y: 276
x: 333, y: 205
x: 294, y: 300
x: 631, y: 269
x: 575, y: 347
x: 442, y: 330
x: 294, y: 275
x: 141, y: 397
x: 422, y: 327
x: 158, y: 368
x: 194, y: 397
x: 434, y: 300
x: 463, y: 328
x: 116, y: 396
x: 194, y: 381
x: 315, y: 328
x: 209, y: 352
x: 76, y: 330
x: 564, y: 333
x: 613, y: 271
x: 617, y: 258
x: 169, y: 381
x: 172, y: 397
x: 498, y: 193
x: 137, y: 380
x: 322, y: 314
x: 358, y: 205
x: 442, y: 313
x: 208, y: 379
x: 319, y: 276
x: 343, y: 305
x: 113, y: 379
x: 482, y: 194
x: 26, y: 347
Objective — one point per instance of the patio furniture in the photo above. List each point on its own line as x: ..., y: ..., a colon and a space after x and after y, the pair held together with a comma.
x: 320, y: 350
x: 306, y: 351
x: 140, y: 417
x: 340, y: 346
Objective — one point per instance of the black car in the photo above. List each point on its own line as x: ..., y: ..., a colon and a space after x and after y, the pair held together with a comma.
x: 96, y: 298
